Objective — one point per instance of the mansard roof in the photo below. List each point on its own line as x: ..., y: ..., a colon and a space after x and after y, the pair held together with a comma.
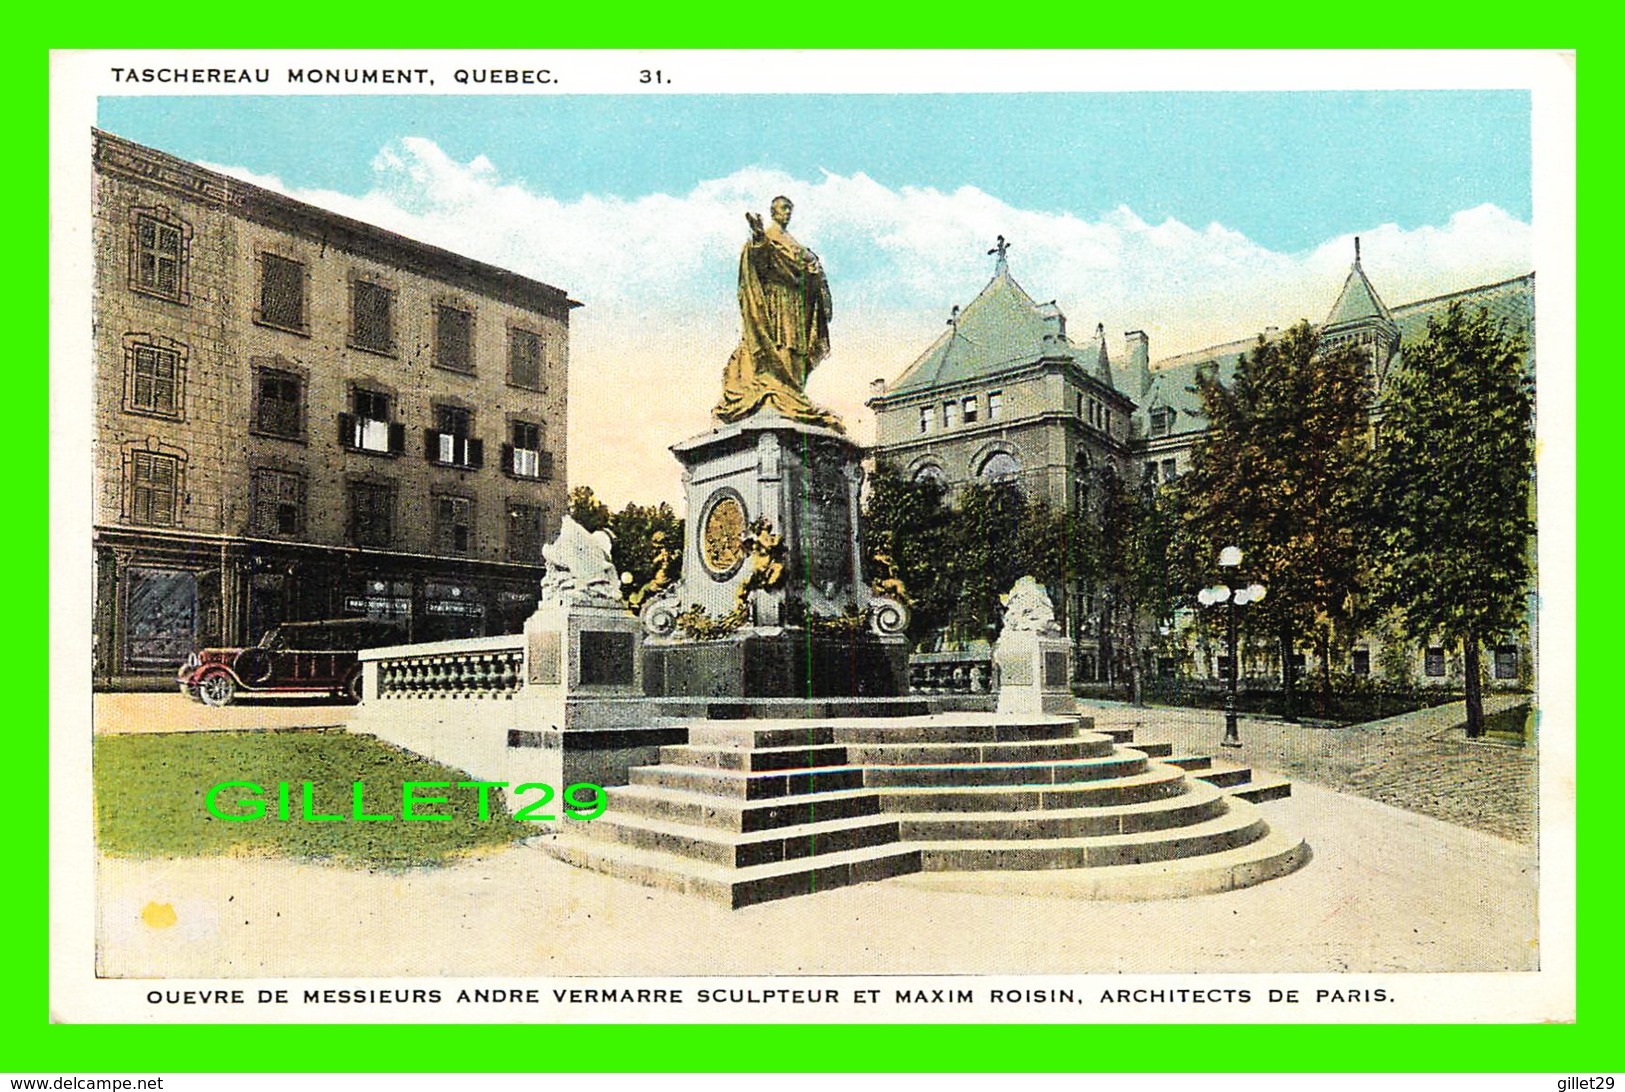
x: 1002, y: 328
x: 1173, y: 380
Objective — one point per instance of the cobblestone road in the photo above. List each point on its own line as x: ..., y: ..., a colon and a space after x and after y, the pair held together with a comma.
x: 1421, y: 761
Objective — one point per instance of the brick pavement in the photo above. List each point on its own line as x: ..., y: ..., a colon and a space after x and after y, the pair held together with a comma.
x: 1419, y: 761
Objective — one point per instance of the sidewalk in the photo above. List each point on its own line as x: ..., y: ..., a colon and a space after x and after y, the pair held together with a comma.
x: 1419, y: 761
x: 117, y: 713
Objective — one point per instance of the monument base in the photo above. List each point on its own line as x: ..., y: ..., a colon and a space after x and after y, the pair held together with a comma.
x: 784, y: 664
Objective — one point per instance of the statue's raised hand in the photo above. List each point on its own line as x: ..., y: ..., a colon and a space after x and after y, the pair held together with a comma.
x: 755, y: 222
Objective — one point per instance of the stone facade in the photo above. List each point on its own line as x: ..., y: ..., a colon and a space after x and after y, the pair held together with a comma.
x: 1065, y: 407
x: 300, y: 416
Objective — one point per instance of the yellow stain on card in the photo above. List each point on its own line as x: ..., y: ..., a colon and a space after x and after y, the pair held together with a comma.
x: 159, y: 915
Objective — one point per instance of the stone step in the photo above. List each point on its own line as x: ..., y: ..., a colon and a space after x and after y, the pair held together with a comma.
x: 708, y: 733
x: 1226, y: 776
x: 735, y: 887
x: 960, y: 728
x: 1261, y: 787
x: 1188, y: 762
x: 743, y: 850
x: 1199, y: 803
x: 1271, y: 857
x: 755, y: 760
x: 744, y: 785
x: 1152, y: 750
x: 1120, y: 764
x: 733, y: 814
x: 1153, y: 783
x: 1237, y: 826
x: 964, y: 754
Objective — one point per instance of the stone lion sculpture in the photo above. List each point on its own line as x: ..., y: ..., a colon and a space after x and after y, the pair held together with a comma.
x: 579, y: 566
x: 1027, y: 609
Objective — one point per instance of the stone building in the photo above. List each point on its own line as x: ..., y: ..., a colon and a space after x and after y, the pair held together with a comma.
x: 303, y: 416
x: 1004, y: 395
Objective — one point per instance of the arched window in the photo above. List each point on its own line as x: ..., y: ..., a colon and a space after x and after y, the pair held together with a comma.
x: 1000, y: 468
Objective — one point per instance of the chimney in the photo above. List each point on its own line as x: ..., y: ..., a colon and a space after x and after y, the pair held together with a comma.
x: 877, y: 387
x: 1139, y: 358
x: 1271, y: 332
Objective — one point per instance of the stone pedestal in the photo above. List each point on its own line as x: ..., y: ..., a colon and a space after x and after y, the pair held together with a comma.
x: 804, y: 482
x: 581, y: 649
x: 1035, y: 673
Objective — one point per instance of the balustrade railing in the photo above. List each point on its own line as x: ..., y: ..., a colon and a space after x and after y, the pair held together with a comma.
x: 452, y: 673
x: 950, y: 673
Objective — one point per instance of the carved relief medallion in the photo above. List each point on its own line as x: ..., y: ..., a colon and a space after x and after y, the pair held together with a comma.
x: 720, y: 534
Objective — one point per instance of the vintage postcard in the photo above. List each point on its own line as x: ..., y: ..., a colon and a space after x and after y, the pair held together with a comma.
x: 812, y: 537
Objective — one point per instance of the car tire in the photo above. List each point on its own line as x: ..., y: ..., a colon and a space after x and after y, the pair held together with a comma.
x: 217, y: 690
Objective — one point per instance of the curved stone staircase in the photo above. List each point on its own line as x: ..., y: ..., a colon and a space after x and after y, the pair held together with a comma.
x: 753, y: 810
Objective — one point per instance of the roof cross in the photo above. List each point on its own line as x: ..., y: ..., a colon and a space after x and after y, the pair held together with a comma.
x: 1000, y: 248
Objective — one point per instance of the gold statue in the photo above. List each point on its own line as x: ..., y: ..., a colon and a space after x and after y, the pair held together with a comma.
x: 784, y: 310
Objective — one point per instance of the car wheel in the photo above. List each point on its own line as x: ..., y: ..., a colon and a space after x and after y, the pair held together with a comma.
x: 352, y: 689
x: 217, y: 690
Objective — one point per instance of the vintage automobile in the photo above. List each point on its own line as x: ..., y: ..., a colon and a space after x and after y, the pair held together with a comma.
x: 294, y: 658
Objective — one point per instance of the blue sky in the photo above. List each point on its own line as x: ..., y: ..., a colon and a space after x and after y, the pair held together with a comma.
x: 1288, y: 170
x: 1196, y: 217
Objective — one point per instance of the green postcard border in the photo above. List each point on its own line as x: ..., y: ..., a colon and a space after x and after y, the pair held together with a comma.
x: 32, y: 1044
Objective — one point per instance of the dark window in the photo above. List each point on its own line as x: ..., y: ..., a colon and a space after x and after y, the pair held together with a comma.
x: 1170, y: 470
x: 1361, y: 661
x: 372, y: 317
x: 950, y: 414
x: 525, y: 459
x: 1162, y: 422
x: 453, y: 339
x: 524, y: 359
x: 158, y: 257
x: 369, y: 427
x: 1150, y: 474
x: 154, y: 481
x: 278, y: 502
x: 995, y: 404
x: 451, y: 440
x: 372, y: 513
x: 1506, y: 662
x: 925, y: 419
x: 525, y: 533
x: 279, y: 404
x: 970, y: 410
x: 454, y: 420
x: 453, y: 524
x: 1433, y: 662
x: 155, y: 381
x: 282, y: 292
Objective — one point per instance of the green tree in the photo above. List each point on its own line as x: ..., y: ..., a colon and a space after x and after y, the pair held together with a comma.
x: 909, y: 522
x: 587, y: 510
x: 1133, y: 578
x: 1284, y: 473
x: 1455, y: 464
x: 957, y: 560
x: 632, y: 531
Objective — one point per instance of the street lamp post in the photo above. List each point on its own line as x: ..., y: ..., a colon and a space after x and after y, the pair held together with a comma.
x: 1233, y: 594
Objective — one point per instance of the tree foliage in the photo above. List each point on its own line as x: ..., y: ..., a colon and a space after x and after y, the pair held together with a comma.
x: 957, y: 560
x: 632, y: 530
x: 1131, y: 574
x: 1454, y: 470
x: 1284, y: 473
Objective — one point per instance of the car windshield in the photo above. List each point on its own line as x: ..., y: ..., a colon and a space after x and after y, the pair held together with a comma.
x: 272, y: 638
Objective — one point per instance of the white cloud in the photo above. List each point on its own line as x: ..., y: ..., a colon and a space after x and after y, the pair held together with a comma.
x: 657, y: 275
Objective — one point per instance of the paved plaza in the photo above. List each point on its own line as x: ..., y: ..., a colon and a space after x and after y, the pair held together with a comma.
x: 1388, y: 889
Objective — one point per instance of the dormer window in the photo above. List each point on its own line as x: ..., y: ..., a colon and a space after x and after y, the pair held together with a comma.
x: 1162, y: 422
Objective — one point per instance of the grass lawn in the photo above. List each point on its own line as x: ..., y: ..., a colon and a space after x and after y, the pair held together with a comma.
x: 151, y: 790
